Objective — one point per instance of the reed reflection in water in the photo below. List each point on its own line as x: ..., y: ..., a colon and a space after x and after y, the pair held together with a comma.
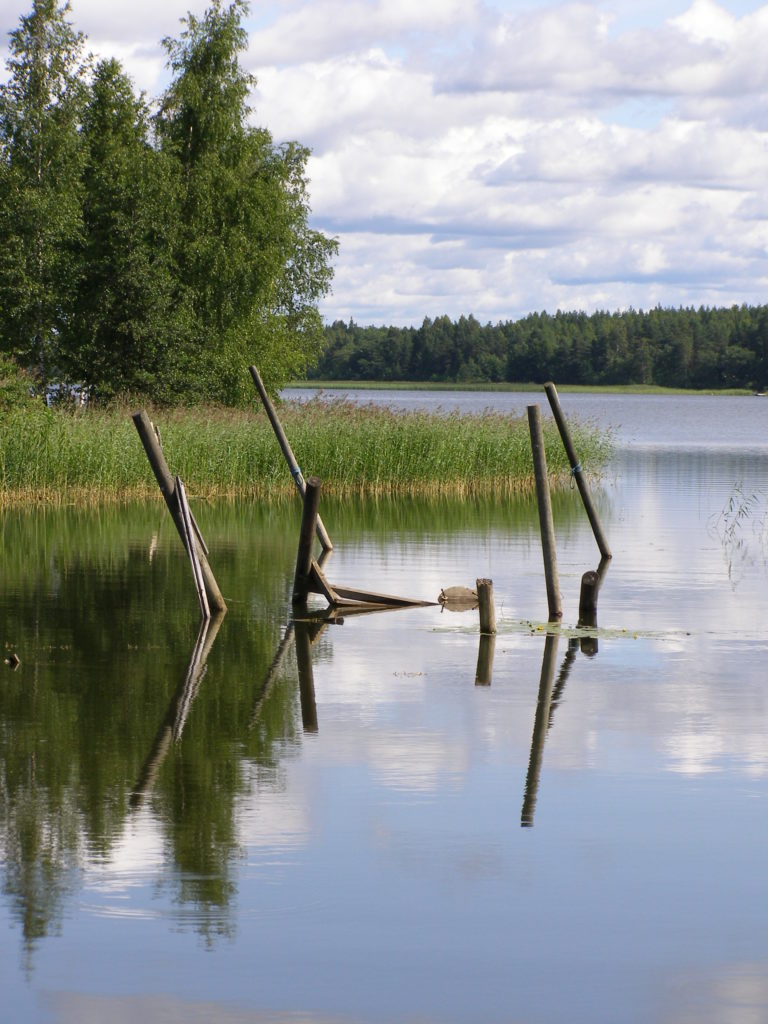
x: 342, y: 801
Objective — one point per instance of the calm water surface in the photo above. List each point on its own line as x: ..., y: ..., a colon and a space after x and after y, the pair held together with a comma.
x: 297, y: 821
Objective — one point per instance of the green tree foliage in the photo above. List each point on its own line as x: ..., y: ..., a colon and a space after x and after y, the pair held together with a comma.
x: 704, y: 348
x: 157, y: 255
x: 246, y: 254
x: 131, y: 315
x: 41, y: 160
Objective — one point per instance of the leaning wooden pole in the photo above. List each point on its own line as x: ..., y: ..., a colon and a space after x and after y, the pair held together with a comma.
x: 545, y: 514
x: 576, y: 470
x: 168, y: 489
x: 190, y: 543
x: 290, y: 458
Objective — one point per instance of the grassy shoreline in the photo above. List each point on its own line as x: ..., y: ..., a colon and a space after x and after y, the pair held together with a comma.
x: 95, y: 455
x: 587, y: 389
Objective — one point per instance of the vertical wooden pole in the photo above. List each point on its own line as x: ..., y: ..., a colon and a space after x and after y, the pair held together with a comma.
x: 306, y: 540
x: 588, y: 599
x: 540, y: 726
x: 545, y: 514
x: 168, y: 490
x: 485, y: 604
x: 576, y: 470
x: 290, y: 458
x: 590, y: 587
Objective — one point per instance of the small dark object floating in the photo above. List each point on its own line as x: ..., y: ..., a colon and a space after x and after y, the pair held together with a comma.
x: 13, y: 661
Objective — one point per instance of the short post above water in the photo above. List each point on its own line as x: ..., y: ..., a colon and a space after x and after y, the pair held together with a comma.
x: 576, y: 469
x: 168, y: 488
x: 485, y: 604
x: 590, y: 583
x: 545, y: 514
x: 590, y: 587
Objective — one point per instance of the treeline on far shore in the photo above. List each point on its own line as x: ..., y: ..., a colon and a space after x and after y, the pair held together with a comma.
x: 680, y: 348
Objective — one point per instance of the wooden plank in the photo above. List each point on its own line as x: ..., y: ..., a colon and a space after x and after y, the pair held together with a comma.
x: 354, y: 596
x: 318, y: 584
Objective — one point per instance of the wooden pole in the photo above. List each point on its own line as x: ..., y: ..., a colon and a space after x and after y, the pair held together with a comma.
x: 290, y: 458
x: 190, y: 543
x: 576, y: 470
x: 590, y: 587
x: 588, y: 599
x: 485, y: 604
x: 168, y: 489
x: 301, y: 582
x: 545, y: 514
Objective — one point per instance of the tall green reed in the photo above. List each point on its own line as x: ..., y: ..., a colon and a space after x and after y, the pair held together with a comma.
x: 95, y: 454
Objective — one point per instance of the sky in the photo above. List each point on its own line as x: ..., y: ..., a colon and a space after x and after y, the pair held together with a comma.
x: 500, y: 157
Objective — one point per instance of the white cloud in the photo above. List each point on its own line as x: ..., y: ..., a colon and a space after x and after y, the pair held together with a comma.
x: 501, y: 157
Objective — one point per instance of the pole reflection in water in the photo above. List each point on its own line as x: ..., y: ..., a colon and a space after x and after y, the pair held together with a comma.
x: 172, y: 725
x: 485, y: 659
x: 306, y: 633
x: 540, y: 726
x: 562, y: 677
x: 549, y: 697
x: 271, y: 676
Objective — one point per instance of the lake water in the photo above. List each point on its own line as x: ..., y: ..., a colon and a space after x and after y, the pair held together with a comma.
x: 337, y: 822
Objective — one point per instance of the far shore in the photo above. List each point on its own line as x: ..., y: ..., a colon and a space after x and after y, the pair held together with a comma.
x: 605, y: 389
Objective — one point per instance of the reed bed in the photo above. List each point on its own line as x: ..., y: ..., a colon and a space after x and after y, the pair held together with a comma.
x: 95, y: 455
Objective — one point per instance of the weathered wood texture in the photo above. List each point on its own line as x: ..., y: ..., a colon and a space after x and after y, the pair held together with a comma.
x: 168, y: 489
x: 590, y: 585
x: 485, y: 603
x: 302, y: 583
x: 190, y: 543
x: 545, y: 514
x: 285, y: 447
x: 576, y: 470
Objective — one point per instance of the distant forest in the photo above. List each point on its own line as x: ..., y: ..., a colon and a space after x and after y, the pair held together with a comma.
x: 688, y: 348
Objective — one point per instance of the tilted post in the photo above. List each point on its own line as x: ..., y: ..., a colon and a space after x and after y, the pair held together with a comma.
x: 290, y: 458
x: 576, y: 470
x: 168, y: 489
